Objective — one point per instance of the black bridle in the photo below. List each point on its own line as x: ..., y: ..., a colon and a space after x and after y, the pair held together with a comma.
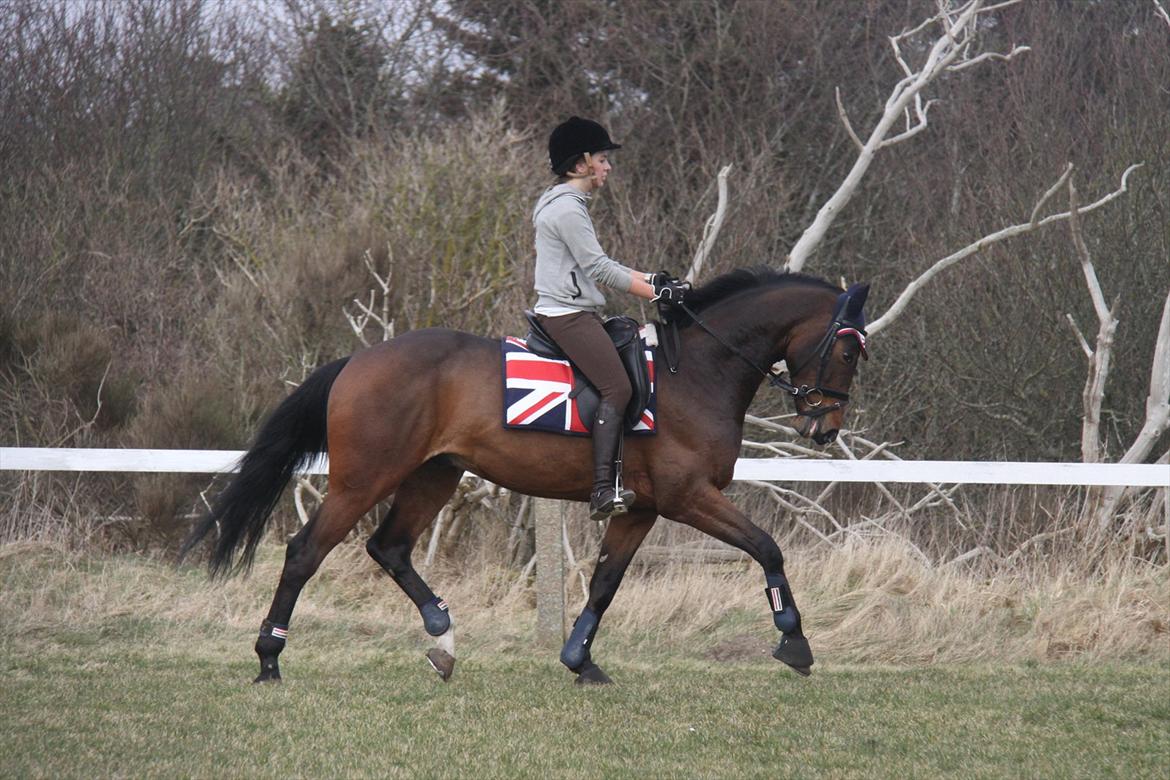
x: 813, y: 396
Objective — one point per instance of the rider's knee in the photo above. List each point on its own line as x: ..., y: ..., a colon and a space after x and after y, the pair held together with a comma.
x: 618, y: 394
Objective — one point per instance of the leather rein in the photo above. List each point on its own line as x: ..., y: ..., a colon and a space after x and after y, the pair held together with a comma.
x: 813, y: 396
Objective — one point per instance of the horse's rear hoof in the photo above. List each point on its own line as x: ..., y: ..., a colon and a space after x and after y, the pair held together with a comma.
x: 592, y: 675
x: 268, y: 674
x: 442, y: 662
x: 795, y: 651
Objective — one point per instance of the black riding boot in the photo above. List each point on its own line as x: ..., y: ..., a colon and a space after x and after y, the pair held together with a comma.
x: 608, y: 496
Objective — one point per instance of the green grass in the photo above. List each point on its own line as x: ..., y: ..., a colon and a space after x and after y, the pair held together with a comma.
x: 140, y: 698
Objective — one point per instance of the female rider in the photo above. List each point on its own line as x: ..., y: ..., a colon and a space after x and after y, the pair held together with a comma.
x: 570, y: 269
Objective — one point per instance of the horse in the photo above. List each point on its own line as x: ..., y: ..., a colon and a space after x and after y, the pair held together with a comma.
x: 407, y: 417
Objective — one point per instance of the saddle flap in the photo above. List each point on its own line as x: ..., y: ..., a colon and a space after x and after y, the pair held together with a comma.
x: 539, y: 341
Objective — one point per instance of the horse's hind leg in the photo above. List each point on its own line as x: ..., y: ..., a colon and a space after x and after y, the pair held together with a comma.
x: 336, y: 516
x: 622, y: 539
x: 416, y: 502
x: 714, y: 515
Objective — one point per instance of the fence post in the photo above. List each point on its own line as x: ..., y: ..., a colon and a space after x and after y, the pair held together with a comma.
x: 548, y: 519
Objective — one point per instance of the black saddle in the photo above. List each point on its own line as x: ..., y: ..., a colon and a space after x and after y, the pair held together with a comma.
x: 624, y: 333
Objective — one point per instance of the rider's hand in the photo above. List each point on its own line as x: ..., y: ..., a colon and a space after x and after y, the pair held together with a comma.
x: 668, y: 288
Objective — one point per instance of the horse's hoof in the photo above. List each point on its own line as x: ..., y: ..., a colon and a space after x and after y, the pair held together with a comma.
x: 592, y: 675
x: 442, y: 662
x: 268, y: 675
x: 794, y: 651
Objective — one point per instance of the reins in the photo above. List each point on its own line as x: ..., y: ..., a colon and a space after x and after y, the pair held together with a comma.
x: 813, y: 396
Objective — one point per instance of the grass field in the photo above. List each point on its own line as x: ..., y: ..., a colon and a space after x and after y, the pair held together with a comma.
x: 107, y: 670
x: 123, y: 704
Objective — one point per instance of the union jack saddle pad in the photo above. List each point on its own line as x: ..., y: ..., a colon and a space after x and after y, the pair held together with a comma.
x: 546, y: 394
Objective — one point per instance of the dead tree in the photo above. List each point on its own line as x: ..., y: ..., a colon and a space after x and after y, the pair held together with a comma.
x: 955, y: 48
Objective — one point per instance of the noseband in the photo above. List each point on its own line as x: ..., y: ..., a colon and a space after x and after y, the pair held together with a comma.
x: 813, y: 396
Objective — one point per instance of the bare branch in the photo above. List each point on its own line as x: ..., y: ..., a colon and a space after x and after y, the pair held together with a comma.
x: 305, y: 486
x: 1078, y: 239
x: 845, y: 121
x: 951, y: 48
x: 988, y: 55
x: 903, y: 300
x: 711, y: 229
x: 358, y: 323
x: 1049, y: 193
x: 1080, y: 336
x: 1158, y: 401
x: 1161, y: 11
x: 1102, y: 355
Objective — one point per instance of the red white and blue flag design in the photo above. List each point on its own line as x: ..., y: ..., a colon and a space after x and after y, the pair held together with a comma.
x: 537, y: 393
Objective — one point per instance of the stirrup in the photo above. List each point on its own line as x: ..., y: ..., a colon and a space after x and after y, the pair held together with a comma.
x: 607, y: 502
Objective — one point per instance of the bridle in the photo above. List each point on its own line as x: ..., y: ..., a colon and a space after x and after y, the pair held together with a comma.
x: 813, y: 396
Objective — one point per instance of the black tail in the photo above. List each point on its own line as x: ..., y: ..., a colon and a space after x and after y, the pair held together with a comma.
x: 288, y: 440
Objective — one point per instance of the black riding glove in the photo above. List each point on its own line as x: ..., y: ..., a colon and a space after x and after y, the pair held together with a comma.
x: 668, y: 289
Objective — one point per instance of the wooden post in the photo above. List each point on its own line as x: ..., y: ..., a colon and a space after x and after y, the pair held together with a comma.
x: 549, y: 518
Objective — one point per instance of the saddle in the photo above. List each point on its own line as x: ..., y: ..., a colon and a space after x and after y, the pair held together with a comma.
x: 623, y: 331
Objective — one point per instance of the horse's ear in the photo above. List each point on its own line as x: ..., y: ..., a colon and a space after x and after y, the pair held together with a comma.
x: 857, y: 293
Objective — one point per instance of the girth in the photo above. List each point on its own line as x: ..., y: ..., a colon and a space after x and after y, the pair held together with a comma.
x: 623, y: 331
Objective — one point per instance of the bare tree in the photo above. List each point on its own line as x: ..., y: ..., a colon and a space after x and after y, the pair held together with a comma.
x: 954, y: 49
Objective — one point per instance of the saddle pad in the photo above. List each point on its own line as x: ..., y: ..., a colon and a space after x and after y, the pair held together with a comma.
x: 537, y: 393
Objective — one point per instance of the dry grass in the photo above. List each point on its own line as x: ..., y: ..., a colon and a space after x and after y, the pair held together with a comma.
x: 864, y: 603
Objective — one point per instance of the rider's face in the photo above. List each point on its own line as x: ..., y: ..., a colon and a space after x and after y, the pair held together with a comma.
x: 601, y: 168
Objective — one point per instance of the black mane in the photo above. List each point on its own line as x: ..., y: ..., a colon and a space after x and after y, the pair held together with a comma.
x: 743, y: 279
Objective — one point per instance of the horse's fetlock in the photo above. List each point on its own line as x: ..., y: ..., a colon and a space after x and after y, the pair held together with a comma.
x: 436, y: 619
x: 784, y: 612
x: 575, y: 653
x: 271, y: 641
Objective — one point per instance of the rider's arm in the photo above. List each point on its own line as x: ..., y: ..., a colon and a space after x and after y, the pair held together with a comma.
x: 576, y: 230
x: 639, y: 285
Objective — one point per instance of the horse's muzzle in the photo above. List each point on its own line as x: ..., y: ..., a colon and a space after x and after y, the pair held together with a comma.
x: 810, y: 428
x: 826, y: 437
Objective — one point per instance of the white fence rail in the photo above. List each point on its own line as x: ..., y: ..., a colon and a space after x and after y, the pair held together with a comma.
x: 761, y: 469
x: 550, y: 517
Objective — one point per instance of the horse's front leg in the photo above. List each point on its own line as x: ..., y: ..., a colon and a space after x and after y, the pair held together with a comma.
x: 711, y: 513
x: 622, y: 538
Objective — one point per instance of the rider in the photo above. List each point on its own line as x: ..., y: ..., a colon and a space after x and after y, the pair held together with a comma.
x: 570, y: 268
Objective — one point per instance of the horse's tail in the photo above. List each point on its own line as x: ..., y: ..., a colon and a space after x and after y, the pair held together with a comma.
x: 289, y: 439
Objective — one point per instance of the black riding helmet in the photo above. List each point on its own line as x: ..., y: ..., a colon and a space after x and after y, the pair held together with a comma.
x: 573, y: 138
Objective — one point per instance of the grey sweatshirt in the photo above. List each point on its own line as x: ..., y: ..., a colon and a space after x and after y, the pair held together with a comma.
x: 570, y: 263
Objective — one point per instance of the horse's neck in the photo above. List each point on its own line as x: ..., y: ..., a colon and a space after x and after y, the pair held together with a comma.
x: 759, y: 329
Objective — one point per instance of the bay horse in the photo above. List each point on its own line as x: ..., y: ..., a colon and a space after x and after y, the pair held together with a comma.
x: 408, y: 416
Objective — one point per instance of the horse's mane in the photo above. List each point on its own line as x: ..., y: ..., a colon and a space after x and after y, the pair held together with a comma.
x: 743, y: 279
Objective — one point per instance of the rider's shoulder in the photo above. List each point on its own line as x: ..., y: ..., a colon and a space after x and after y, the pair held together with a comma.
x: 559, y: 200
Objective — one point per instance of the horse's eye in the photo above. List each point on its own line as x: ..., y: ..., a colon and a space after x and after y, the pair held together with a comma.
x: 847, y: 357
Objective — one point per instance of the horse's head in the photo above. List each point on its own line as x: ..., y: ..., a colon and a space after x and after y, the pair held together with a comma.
x: 822, y: 356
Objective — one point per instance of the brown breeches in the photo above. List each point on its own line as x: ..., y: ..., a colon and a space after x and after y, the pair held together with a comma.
x: 583, y: 338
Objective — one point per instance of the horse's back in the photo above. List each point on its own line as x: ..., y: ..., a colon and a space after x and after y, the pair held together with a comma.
x: 417, y: 384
